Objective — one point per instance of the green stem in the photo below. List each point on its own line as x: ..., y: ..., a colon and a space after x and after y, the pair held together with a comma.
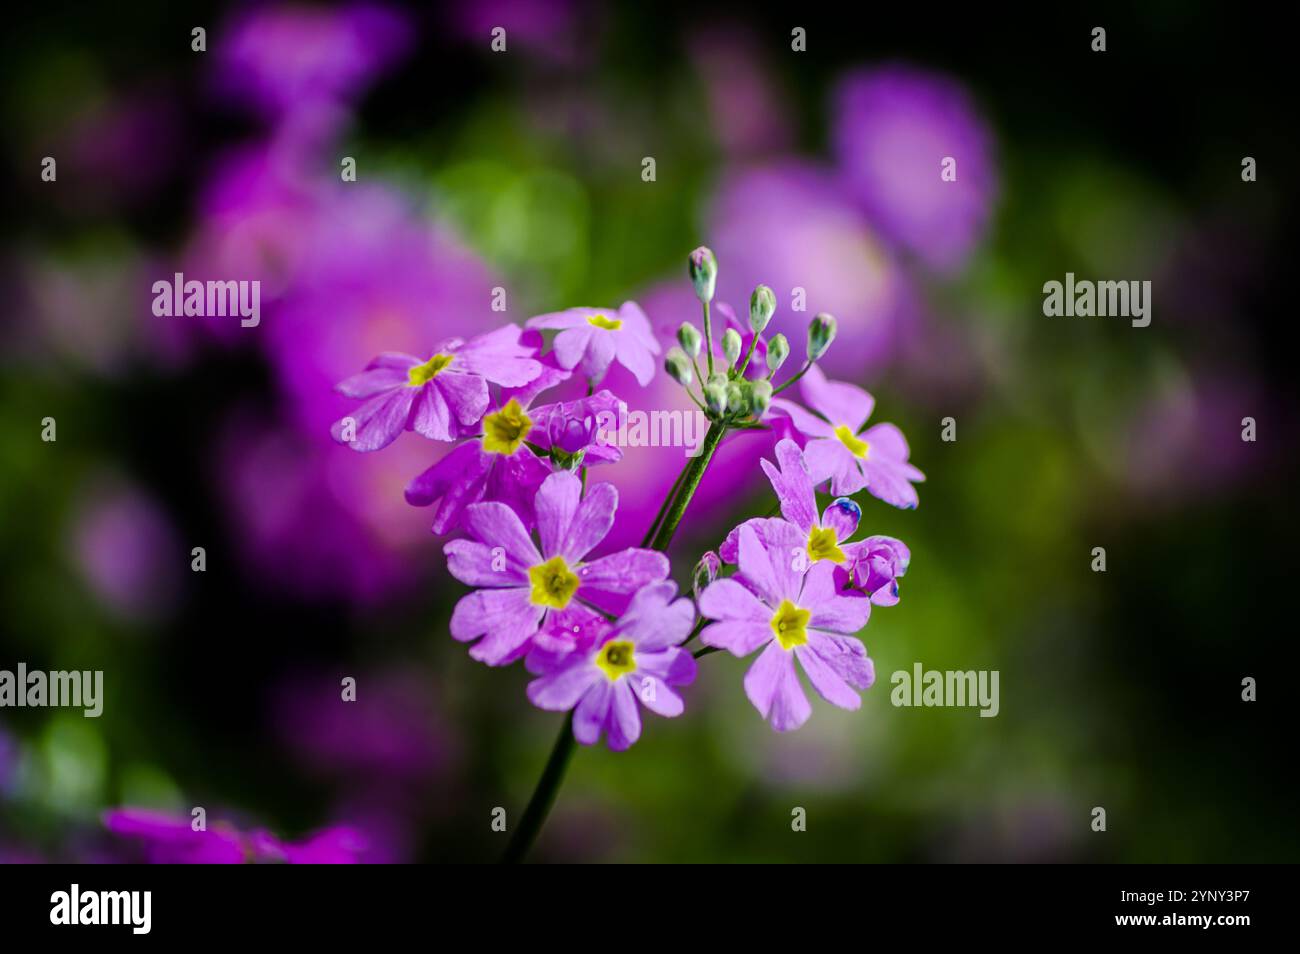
x: 663, y: 509
x: 548, y: 786
x: 708, y: 337
x: 690, y: 480
x: 802, y: 371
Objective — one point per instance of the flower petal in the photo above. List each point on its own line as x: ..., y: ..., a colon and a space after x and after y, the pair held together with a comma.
x: 375, y: 381
x: 624, y: 722
x: 562, y: 689
x: 833, y: 609
x: 773, y: 687
x: 837, y: 401
x: 557, y: 501
x: 378, y: 422
x: 497, y: 525
x: 505, y: 618
x: 592, y: 521
x: 729, y: 600
x: 590, y: 716
x: 793, y: 485
x: 824, y: 678
x: 623, y: 572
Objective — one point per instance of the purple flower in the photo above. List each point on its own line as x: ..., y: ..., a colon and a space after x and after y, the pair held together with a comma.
x: 171, y: 839
x: 572, y: 428
x: 773, y: 603
x: 877, y: 563
x: 293, y: 58
x: 547, y: 593
x: 894, y: 127
x: 840, y: 450
x: 593, y: 338
x: 441, y: 397
x: 498, y: 465
x: 637, y: 657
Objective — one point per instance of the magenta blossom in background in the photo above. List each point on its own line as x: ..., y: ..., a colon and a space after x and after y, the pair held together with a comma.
x: 773, y: 604
x: 637, y: 657
x: 893, y: 128
x: 127, y: 551
x: 791, y: 226
x: 526, y: 593
x: 441, y: 397
x: 289, y: 58
x: 171, y: 839
x: 840, y: 450
x: 591, y: 339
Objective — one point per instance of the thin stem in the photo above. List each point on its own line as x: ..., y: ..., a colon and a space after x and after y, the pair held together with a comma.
x: 753, y: 343
x: 796, y: 377
x: 548, y: 786
x: 705, y: 651
x: 663, y: 509
x: 690, y: 480
x: 708, y: 337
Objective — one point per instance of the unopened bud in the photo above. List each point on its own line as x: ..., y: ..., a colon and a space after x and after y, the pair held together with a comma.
x: 688, y: 336
x: 821, y: 332
x: 715, y: 394
x: 731, y: 346
x: 762, y: 306
x: 778, y: 349
x: 738, y: 397
x: 704, y: 273
x: 678, y: 367
x: 760, y: 397
x: 706, y: 571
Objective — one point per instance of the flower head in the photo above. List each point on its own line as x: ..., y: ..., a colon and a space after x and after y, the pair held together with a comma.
x: 877, y: 564
x: 840, y: 450
x: 441, y: 397
x: 638, y: 657
x: 548, y: 594
x: 593, y: 338
x: 774, y: 605
x: 825, y: 538
x: 572, y: 430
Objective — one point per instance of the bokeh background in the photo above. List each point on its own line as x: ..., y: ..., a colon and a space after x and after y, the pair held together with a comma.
x: 522, y: 169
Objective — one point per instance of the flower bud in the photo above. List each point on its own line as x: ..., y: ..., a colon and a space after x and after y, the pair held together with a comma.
x: 706, y: 571
x: 762, y: 306
x: 715, y: 394
x: 688, y: 336
x: 704, y: 273
x: 738, y: 397
x: 778, y: 349
x: 821, y: 332
x: 731, y: 346
x: 760, y: 397
x: 678, y: 367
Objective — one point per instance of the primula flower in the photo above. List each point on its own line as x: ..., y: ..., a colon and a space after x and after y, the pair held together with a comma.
x: 527, y: 592
x: 572, y: 428
x: 441, y: 397
x: 839, y: 449
x: 496, y: 465
x: 877, y: 564
x: 592, y: 338
x: 825, y: 539
x: 773, y: 605
x: 637, y: 657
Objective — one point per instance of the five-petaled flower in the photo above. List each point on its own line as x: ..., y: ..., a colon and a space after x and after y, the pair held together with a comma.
x: 590, y: 339
x: 637, y: 657
x: 840, y: 450
x: 790, y: 611
x: 442, y: 397
x: 548, y: 595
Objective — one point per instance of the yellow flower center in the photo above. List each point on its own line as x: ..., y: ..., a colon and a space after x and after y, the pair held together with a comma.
x: 824, y: 545
x: 505, y: 430
x: 553, y: 583
x: 424, y: 373
x: 788, y: 623
x: 857, y: 447
x: 616, y: 659
x: 609, y: 324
